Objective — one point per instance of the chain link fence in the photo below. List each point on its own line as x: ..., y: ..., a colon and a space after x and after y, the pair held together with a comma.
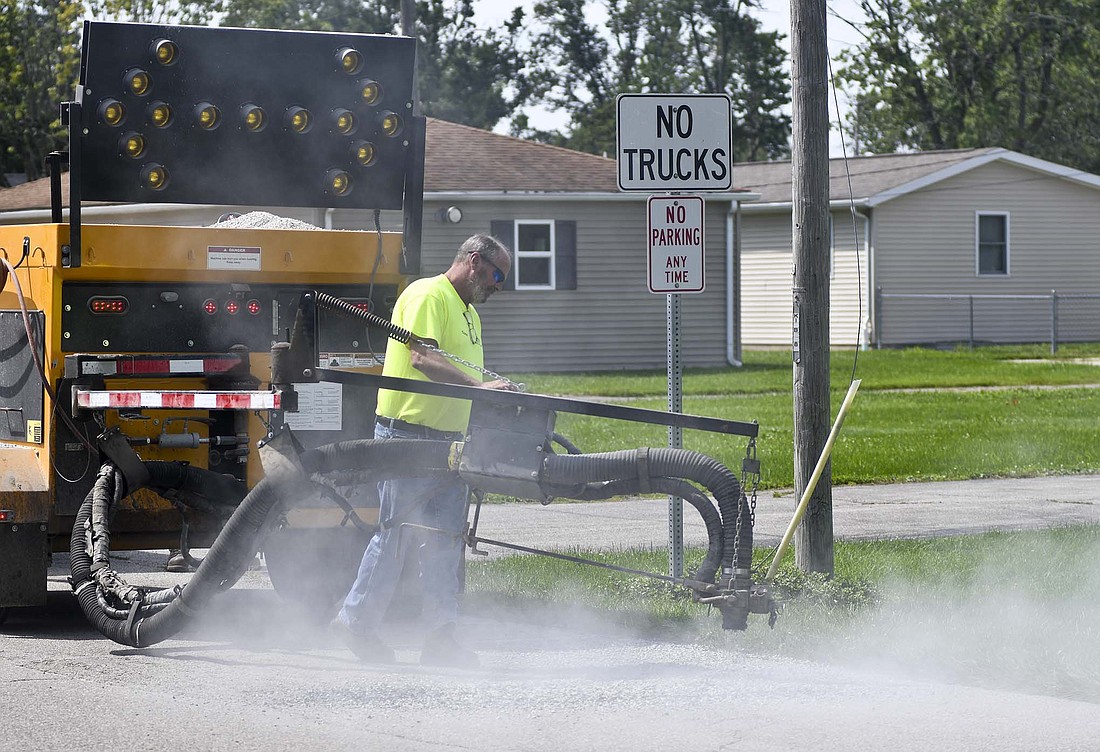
x: 936, y: 319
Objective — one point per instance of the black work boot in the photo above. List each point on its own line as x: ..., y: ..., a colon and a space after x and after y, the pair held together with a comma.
x: 367, y: 646
x: 178, y: 562
x: 442, y: 649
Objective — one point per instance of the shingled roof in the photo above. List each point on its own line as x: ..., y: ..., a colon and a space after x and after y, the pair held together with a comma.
x: 870, y: 176
x: 461, y: 158
x: 32, y: 195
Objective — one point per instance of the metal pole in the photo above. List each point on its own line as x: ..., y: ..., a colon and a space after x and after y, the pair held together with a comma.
x: 878, y: 318
x: 1053, y: 322
x: 675, y: 433
x: 970, y: 302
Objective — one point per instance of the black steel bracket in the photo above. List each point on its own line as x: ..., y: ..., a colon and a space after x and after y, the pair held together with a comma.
x: 113, y: 444
x: 543, y: 402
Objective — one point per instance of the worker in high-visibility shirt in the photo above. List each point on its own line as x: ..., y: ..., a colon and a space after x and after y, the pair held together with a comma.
x: 440, y: 309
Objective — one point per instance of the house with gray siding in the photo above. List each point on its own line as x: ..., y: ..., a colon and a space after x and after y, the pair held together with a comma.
x: 577, y: 299
x: 983, y: 245
x: 930, y: 247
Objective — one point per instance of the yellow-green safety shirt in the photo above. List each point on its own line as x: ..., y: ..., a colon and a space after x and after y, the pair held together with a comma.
x: 431, y: 308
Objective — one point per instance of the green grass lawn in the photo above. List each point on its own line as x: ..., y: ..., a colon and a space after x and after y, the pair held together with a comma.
x: 914, y: 368
x: 919, y: 414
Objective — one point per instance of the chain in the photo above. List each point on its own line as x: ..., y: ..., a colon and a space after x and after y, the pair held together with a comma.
x: 753, y: 473
x: 462, y: 361
x: 267, y: 426
x: 750, y: 472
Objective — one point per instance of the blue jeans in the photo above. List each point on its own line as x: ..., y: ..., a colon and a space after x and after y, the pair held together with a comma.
x: 439, y: 502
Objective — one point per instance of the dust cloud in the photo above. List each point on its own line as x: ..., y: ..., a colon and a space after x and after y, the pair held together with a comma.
x: 1025, y: 621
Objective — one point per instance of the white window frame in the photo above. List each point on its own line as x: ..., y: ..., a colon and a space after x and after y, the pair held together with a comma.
x: 978, y: 244
x: 519, y: 255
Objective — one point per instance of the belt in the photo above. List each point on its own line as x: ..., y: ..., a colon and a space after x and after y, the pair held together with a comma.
x: 422, y: 431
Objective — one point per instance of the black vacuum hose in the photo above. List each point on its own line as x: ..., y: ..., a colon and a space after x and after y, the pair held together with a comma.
x: 217, y: 487
x: 228, y: 558
x: 671, y: 463
x: 236, y: 544
x: 396, y: 456
x: 105, y: 493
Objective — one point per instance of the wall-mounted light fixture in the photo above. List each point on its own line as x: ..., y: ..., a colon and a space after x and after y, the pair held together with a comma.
x: 451, y: 215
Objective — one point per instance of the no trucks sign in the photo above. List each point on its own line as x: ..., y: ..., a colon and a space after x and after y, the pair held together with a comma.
x: 675, y: 239
x: 670, y: 142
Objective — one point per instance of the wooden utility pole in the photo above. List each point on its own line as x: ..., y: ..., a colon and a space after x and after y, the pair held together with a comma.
x: 810, y: 221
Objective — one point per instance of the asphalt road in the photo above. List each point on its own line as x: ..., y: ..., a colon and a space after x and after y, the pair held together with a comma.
x: 989, y: 670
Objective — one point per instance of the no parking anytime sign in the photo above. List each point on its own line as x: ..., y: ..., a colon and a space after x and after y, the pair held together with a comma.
x: 675, y: 240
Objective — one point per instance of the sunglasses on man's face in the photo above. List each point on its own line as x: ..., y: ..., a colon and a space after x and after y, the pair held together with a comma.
x: 498, y: 274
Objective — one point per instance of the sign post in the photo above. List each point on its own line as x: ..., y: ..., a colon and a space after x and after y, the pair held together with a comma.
x: 673, y: 143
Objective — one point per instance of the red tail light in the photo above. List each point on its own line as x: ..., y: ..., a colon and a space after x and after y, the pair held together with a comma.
x: 110, y: 305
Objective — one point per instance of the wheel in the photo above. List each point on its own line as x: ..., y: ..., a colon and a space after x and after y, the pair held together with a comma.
x: 315, y: 567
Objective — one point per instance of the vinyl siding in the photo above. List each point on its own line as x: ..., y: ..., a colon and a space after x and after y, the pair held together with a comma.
x: 767, y: 276
x: 925, y: 244
x: 611, y: 321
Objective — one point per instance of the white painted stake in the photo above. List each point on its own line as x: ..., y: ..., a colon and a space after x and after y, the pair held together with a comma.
x: 800, y: 510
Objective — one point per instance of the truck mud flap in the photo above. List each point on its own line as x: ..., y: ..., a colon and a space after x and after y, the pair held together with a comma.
x: 23, y: 563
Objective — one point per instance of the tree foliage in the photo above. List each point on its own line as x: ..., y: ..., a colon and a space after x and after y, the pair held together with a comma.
x: 941, y: 74
x: 355, y: 16
x: 467, y: 75
x: 464, y: 71
x: 649, y: 46
x: 39, y: 56
x: 197, y: 12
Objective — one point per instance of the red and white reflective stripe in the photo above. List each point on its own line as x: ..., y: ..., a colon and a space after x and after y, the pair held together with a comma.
x: 136, y: 366
x: 179, y: 400
x: 177, y: 366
